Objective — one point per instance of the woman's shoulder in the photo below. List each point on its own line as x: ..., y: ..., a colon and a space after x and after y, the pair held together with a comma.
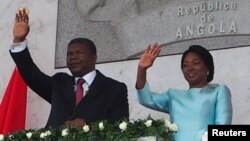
x: 209, y: 88
x: 214, y: 87
x: 223, y: 88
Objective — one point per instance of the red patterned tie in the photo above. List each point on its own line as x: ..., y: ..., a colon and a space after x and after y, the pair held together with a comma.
x: 79, y: 90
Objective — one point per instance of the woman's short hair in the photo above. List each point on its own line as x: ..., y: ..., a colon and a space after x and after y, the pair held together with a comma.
x: 205, y: 56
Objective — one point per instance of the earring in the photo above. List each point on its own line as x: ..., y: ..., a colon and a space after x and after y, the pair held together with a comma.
x: 208, y: 73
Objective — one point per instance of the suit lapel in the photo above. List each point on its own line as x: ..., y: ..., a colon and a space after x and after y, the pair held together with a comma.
x: 97, y: 85
x: 95, y: 88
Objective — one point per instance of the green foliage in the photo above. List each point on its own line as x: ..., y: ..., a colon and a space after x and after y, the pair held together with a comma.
x: 100, y: 131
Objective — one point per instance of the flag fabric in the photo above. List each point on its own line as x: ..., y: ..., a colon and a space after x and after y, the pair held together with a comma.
x: 13, y: 105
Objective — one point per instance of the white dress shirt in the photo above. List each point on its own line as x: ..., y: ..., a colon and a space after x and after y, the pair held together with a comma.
x: 18, y: 47
x: 89, y: 77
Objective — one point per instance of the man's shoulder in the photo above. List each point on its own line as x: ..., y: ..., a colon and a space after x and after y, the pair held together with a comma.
x: 62, y: 75
x: 108, y: 80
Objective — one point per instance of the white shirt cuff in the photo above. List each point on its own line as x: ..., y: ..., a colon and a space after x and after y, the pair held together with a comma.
x: 18, y: 47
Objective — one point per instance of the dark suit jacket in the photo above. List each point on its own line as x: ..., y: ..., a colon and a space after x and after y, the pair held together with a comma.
x: 105, y: 100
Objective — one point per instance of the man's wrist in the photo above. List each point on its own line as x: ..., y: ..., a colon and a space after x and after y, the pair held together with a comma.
x: 15, y: 40
x: 18, y: 47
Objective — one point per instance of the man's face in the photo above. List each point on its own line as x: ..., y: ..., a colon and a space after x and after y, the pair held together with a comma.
x: 80, y: 60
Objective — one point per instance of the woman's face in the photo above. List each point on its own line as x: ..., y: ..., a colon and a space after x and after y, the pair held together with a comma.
x: 194, y: 70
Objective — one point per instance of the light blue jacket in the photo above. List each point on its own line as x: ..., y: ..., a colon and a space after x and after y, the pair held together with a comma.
x: 191, y: 110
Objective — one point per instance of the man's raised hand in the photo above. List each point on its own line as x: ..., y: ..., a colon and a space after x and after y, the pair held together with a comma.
x: 21, y: 26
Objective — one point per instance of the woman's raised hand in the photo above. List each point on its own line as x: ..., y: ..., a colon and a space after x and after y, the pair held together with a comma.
x: 148, y: 57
